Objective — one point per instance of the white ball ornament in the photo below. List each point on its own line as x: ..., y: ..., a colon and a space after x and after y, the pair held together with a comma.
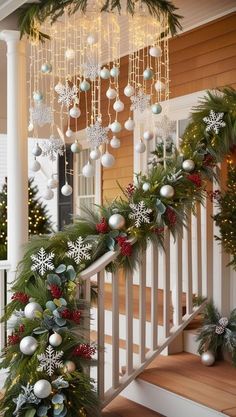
x: 52, y: 183
x: 156, y: 108
x: 95, y: 154
x: 160, y: 86
x: 118, y: 106
x: 69, y: 132
x: 28, y: 345
x: 55, y: 339
x: 148, y: 135
x: 42, y: 389
x: 111, y: 93
x: 114, y: 72
x: 69, y: 54
x: 115, y: 142
x: 46, y: 68
x: 30, y: 127
x: 66, y: 190
x: 140, y: 147
x: 115, y: 127
x: 146, y: 186
x: 75, y: 112
x: 148, y: 74
x: 48, y: 194
x: 188, y: 165
x: 167, y: 191
x: 35, y: 166
x: 76, y: 147
x: 155, y: 51
x: 32, y: 308
x: 88, y: 170
x: 91, y: 39
x: 129, y: 91
x: 84, y: 86
x: 36, y: 151
x: 105, y: 73
x: 69, y: 366
x: 107, y: 160
x: 129, y: 124
x: 116, y: 221
x: 37, y: 96
x: 207, y: 358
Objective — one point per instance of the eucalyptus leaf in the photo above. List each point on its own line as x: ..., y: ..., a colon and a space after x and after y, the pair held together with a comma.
x: 60, y: 269
x: 40, y: 330
x: 30, y: 413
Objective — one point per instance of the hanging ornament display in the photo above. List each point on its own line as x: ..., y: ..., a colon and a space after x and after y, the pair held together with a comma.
x: 48, y: 194
x: 115, y: 142
x: 66, y: 189
x: 36, y: 151
x: 53, y: 182
x: 95, y: 154
x: 129, y: 124
x: 107, y: 160
x: 76, y: 147
x: 88, y: 170
x: 148, y: 135
x: 140, y: 147
x: 35, y: 166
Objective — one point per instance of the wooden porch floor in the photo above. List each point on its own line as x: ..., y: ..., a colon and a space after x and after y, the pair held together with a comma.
x: 183, y: 374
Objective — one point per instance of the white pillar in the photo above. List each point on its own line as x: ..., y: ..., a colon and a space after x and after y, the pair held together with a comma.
x: 17, y: 159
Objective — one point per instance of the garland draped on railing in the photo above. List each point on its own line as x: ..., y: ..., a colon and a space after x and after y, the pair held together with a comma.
x: 44, y: 354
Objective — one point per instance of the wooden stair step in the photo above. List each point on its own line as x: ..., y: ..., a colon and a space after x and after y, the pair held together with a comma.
x: 184, y: 375
x: 121, y: 407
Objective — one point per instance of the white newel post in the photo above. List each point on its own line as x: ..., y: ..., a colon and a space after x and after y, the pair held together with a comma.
x: 17, y: 159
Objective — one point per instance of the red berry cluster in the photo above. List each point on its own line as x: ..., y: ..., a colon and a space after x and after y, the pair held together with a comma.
x: 84, y: 351
x: 13, y: 339
x: 158, y: 230
x: 171, y: 216
x: 102, y: 227
x: 214, y: 195
x: 55, y: 291
x: 195, y: 179
x: 208, y: 160
x: 21, y: 297
x: 130, y: 189
x: 125, y: 246
x: 74, y: 315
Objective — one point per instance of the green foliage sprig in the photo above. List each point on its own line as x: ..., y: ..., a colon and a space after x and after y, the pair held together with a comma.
x: 34, y: 14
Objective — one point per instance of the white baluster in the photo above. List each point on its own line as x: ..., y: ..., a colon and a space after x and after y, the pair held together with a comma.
x: 154, y: 295
x: 166, y: 285
x: 177, y: 286
x: 142, y: 308
x: 187, y: 262
x: 101, y: 335
x: 129, y: 322
x: 115, y: 330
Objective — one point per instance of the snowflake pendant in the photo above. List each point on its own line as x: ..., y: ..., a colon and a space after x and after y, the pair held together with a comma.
x: 78, y: 250
x: 42, y: 262
x: 165, y: 128
x: 214, y: 121
x: 140, y: 101
x: 52, y: 148
x: 140, y: 213
x: 41, y: 114
x: 50, y: 361
x: 97, y: 134
x: 67, y: 94
x: 91, y: 70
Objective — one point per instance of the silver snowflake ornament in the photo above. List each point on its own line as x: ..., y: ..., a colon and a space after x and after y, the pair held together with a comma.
x: 67, y: 94
x: 165, y: 128
x: 91, y: 70
x: 41, y: 114
x: 42, y: 262
x: 25, y: 397
x: 140, y: 101
x: 78, y: 250
x: 140, y: 213
x: 52, y: 148
x: 97, y: 134
x: 50, y: 360
x: 214, y: 121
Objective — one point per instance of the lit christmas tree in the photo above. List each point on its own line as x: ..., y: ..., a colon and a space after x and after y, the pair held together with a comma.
x: 39, y: 222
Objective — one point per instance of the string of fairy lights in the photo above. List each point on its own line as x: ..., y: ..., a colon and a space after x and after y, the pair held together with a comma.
x: 67, y: 78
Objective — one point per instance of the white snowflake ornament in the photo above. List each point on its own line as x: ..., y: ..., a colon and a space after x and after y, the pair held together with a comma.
x: 42, y: 262
x: 78, y: 250
x: 214, y: 121
x: 97, y: 134
x: 67, y: 94
x: 41, y: 114
x: 50, y: 360
x: 140, y: 213
x: 52, y: 148
x: 165, y: 128
x: 91, y: 70
x: 140, y: 101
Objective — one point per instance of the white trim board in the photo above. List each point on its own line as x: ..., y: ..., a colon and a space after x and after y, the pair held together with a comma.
x: 166, y: 402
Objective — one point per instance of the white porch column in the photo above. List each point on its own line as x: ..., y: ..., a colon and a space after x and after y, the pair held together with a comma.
x: 17, y: 159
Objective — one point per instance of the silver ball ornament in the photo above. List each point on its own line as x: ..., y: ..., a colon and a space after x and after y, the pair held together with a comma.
x: 48, y: 194
x: 69, y: 366
x: 114, y: 72
x: 31, y: 308
x: 35, y: 166
x: 69, y: 132
x: 118, y: 106
x: 36, y: 151
x: 76, y: 147
x: 188, y: 165
x: 66, y: 190
x: 53, y: 183
x: 69, y: 54
x: 55, y: 339
x: 107, y: 160
x: 148, y: 135
x: 111, y: 93
x: 88, y: 170
x: 116, y: 221
x: 115, y: 127
x: 167, y: 191
x: 146, y: 186
x: 156, y: 108
x: 37, y: 96
x: 140, y: 147
x: 46, y: 68
x: 148, y: 74
x: 129, y: 90
x: 115, y: 142
x: 129, y: 124
x: 75, y: 112
x: 160, y: 86
x: 95, y: 154
x: 42, y: 389
x: 105, y: 73
x: 207, y: 358
x: 155, y: 51
x: 28, y: 345
x: 84, y: 85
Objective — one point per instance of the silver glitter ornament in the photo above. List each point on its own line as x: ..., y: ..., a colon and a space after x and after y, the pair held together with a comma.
x: 207, y: 358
